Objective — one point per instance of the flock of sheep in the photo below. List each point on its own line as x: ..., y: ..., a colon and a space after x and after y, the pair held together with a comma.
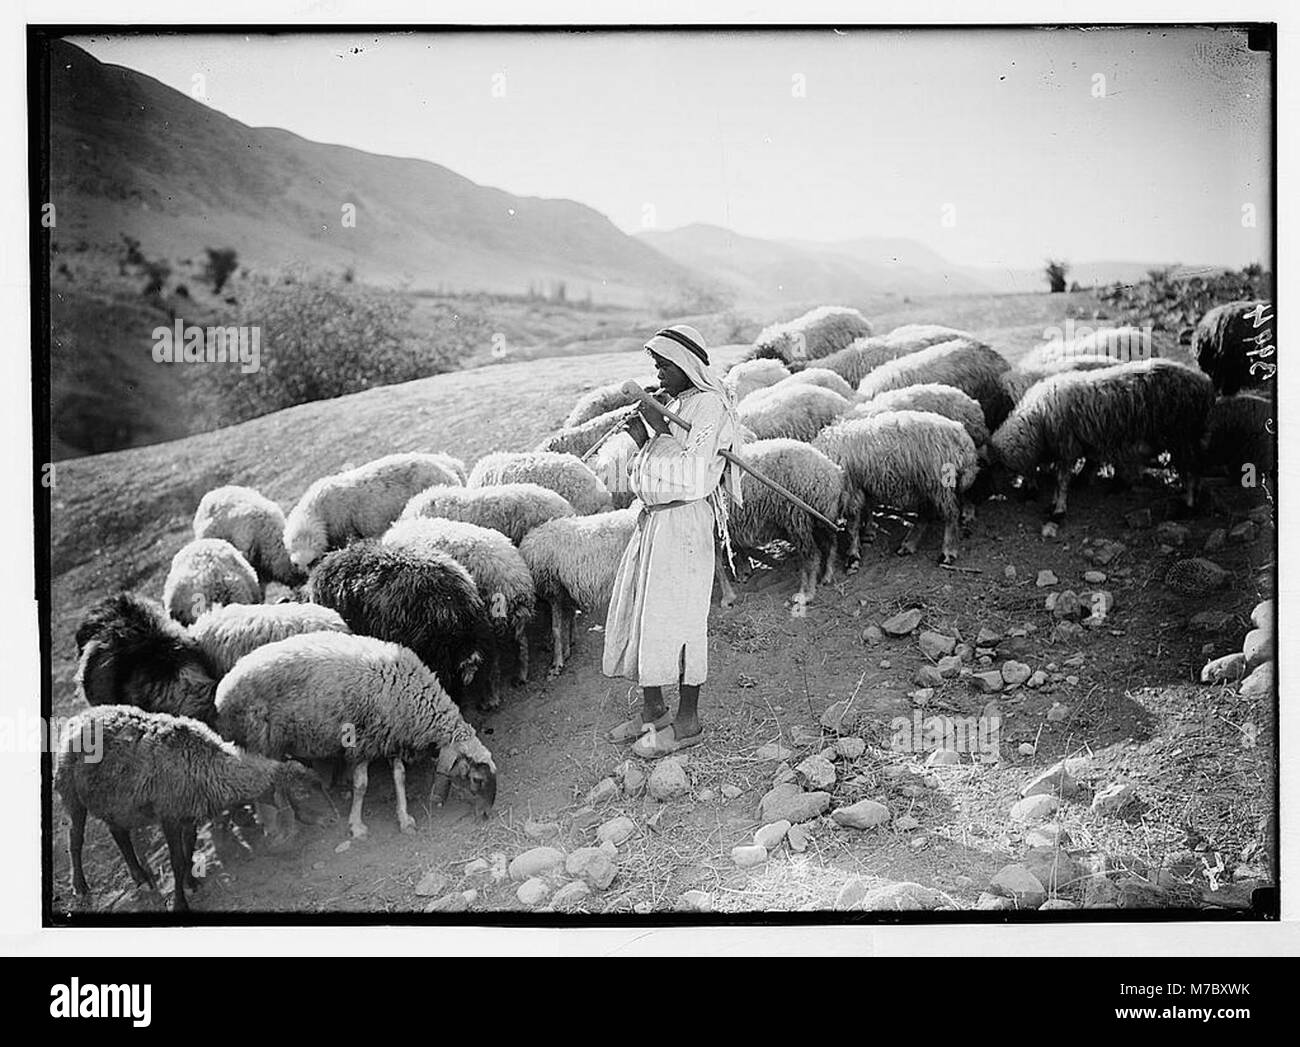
x: 415, y: 582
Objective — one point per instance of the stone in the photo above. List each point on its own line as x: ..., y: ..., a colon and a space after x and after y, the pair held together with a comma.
x: 541, y: 830
x: 815, y: 773
x: 704, y: 795
x: 872, y: 635
x: 1135, y: 893
x: 850, y: 748
x: 479, y: 870
x: 1215, y: 540
x: 1259, y: 684
x: 1049, y: 834
x: 1224, y: 670
x: 773, y: 751
x: 1026, y: 749
x: 1114, y: 799
x: 1067, y: 605
x: 694, y: 901
x: 802, y: 735
x: 840, y: 717
x: 570, y: 895
x: 605, y: 789
x: 784, y: 773
x: 989, y: 682
x: 994, y: 901
x: 830, y: 754
x: 596, y: 868
x: 1058, y: 712
x: 987, y: 637
x: 616, y: 830
x: 454, y: 902
x: 1036, y: 679
x: 769, y: 837
x: 1009, y: 572
x: 1053, y: 868
x: 936, y: 645
x: 533, y: 891
x: 585, y: 818
x: 431, y: 883
x: 797, y: 837
x: 1173, y: 533
x: 903, y: 896
x: 1055, y: 781
x: 902, y: 623
x: 1094, y: 577
x: 1210, y: 621
x: 1138, y: 519
x: 634, y: 782
x: 1244, y: 533
x: 949, y: 666
x: 1072, y: 680
x: 850, y: 895
x: 1045, y: 578
x: 1196, y: 577
x: 865, y: 814
x: 1034, y: 808
x: 1020, y: 885
x: 610, y: 848
x: 731, y: 792
x: 1066, y: 631
x: 1015, y: 673
x: 538, y: 861
x: 1262, y: 615
x: 885, y: 663
x: 906, y: 823
x: 928, y: 676
x: 790, y: 803
x: 1057, y: 903
x: 668, y: 780
x: 1100, y: 893
x: 746, y: 856
x: 943, y: 758
x: 1257, y: 647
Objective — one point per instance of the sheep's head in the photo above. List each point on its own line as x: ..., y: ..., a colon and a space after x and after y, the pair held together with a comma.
x: 306, y: 794
x: 305, y: 541
x: 471, y: 765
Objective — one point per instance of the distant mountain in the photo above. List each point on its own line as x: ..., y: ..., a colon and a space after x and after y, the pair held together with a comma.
x: 129, y: 155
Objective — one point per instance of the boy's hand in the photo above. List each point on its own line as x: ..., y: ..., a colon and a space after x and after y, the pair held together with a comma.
x: 635, y: 428
x: 655, y: 421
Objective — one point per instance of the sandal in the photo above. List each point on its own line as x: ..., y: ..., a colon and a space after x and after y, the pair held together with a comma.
x: 654, y: 744
x: 630, y: 730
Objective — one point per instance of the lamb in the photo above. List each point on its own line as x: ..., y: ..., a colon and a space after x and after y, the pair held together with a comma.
x: 498, y: 571
x: 226, y: 634
x: 1239, y: 440
x: 1235, y: 345
x: 798, y: 412
x: 972, y: 367
x: 130, y: 653
x: 423, y: 600
x: 361, y: 502
x: 1109, y: 415
x: 573, y: 561
x: 764, y: 516
x: 157, y: 768
x: 253, y: 524
x: 1121, y: 344
x: 207, y: 573
x: 601, y: 400
x: 319, y: 696
x: 747, y: 376
x: 512, y: 509
x: 910, y: 460
x: 822, y: 376
x: 817, y: 333
x: 938, y: 399
x: 580, y: 439
x: 564, y: 474
x: 1018, y: 380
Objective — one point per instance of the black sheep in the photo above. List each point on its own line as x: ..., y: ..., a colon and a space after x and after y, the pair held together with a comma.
x: 1235, y: 344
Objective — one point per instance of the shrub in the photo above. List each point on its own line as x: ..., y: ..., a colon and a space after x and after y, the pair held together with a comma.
x: 220, y: 265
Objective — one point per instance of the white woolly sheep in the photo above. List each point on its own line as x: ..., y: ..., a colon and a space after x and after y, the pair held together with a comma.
x: 512, y: 509
x: 748, y: 376
x: 207, y: 573
x: 863, y: 355
x: 909, y: 460
x: 822, y: 376
x: 324, y: 695
x: 1018, y: 380
x: 155, y: 768
x: 226, y: 634
x: 1121, y: 344
x: 601, y: 400
x: 925, y: 335
x: 361, y: 502
x: 1108, y: 416
x: 1239, y: 442
x: 253, y: 524
x: 499, y: 572
x: 819, y: 332
x: 764, y: 515
x: 937, y: 399
x: 579, y: 439
x: 972, y: 367
x: 1235, y: 344
x: 573, y: 561
x: 565, y: 474
x: 798, y: 412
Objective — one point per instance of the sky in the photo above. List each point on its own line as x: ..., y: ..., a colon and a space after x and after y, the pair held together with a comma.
x: 992, y: 147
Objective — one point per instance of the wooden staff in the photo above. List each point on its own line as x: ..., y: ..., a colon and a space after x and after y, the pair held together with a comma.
x: 634, y: 390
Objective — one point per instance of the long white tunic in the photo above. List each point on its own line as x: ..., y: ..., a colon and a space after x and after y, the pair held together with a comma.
x: 656, y: 631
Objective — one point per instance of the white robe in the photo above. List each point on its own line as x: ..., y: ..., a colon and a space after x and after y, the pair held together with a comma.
x: 656, y: 630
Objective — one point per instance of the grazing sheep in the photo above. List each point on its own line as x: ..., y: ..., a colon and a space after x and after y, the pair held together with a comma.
x: 512, y: 509
x: 1238, y: 441
x: 925, y: 335
x: 253, y: 524
x: 765, y: 515
x: 573, y: 561
x: 1121, y: 344
x: 361, y: 502
x: 938, y: 399
x: 1230, y: 344
x: 228, y: 633
x: 324, y: 695
x: 972, y: 367
x: 862, y: 356
x: 207, y: 573
x: 425, y: 601
x: 817, y: 333
x: 601, y: 400
x: 909, y: 460
x: 798, y: 412
x: 130, y: 653
x: 1112, y: 415
x: 498, y: 571
x: 1018, y: 380
x: 822, y: 376
x: 565, y: 474
x: 580, y: 439
x: 156, y: 768
x: 747, y: 376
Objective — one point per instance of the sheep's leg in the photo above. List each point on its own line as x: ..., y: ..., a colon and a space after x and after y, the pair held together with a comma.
x: 807, y: 580
x: 174, y: 831
x: 853, y: 524
x: 571, y: 620
x: 142, y: 876
x: 76, y: 839
x: 404, y: 818
x: 724, y: 583
x: 951, y: 532
x: 912, y: 541
x: 360, y: 779
x: 521, y: 645
x: 493, y: 698
x: 191, y: 841
x: 557, y: 637
x: 825, y: 543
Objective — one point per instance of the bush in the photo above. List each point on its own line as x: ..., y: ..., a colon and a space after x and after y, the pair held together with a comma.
x: 220, y: 265
x: 1056, y: 272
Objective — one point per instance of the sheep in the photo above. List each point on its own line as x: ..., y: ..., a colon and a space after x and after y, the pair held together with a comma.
x: 822, y: 376
x: 1234, y: 344
x: 748, y: 376
x: 1238, y: 441
x: 498, y: 571
x: 226, y: 634
x: 319, y: 696
x: 601, y: 400
x: 862, y: 356
x: 1018, y: 380
x: 157, y: 768
x: 817, y: 333
x: 573, y: 561
x: 580, y: 439
x: 1110, y: 415
x: 938, y: 399
x: 909, y: 460
x: 564, y: 474
x: 253, y: 524
x: 512, y: 509
x: 130, y: 653
x: 1121, y: 344
x: 925, y: 335
x: 206, y: 573
x: 797, y: 411
x: 764, y: 515
x: 972, y: 367
x: 425, y: 601
x: 361, y: 502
